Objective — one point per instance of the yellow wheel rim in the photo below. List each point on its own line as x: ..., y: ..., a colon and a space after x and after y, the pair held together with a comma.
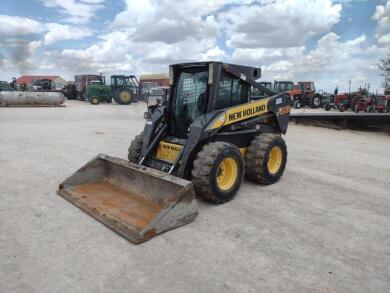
x: 95, y: 100
x: 124, y: 96
x: 275, y: 158
x: 227, y: 174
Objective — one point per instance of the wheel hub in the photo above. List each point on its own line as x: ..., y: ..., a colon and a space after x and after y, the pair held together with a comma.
x: 274, y: 160
x: 227, y: 174
x: 124, y: 96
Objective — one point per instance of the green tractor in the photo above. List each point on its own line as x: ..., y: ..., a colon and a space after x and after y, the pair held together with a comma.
x: 98, y: 91
x: 125, y: 89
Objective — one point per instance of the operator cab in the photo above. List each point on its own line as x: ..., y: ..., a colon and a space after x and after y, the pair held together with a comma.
x: 306, y: 85
x: 199, y: 88
x: 283, y: 86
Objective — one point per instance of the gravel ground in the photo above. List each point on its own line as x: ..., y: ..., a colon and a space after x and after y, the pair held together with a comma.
x: 324, y: 227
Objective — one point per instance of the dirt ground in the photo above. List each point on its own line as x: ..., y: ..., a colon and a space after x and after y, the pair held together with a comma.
x: 325, y: 227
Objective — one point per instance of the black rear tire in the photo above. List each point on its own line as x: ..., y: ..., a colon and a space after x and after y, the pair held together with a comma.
x: 135, y: 148
x: 327, y: 107
x: 257, y: 159
x: 209, y: 172
x: 123, y: 97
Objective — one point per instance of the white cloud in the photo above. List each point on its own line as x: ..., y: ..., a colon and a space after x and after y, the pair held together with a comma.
x: 168, y: 23
x: 149, y: 34
x: 263, y: 56
x: 58, y: 32
x: 382, y: 16
x: 76, y: 12
x: 214, y: 54
x: 93, y: 1
x: 158, y: 34
x: 18, y: 26
x: 111, y: 52
x: 385, y: 39
x: 276, y: 24
x: 332, y: 62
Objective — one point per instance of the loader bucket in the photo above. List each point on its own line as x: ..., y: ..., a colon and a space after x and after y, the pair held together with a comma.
x: 135, y: 201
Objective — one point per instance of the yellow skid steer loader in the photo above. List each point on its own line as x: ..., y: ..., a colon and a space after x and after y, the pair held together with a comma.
x: 201, y: 140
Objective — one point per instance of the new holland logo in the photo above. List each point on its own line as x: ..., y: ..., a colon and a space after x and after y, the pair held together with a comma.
x: 171, y: 147
x: 246, y: 113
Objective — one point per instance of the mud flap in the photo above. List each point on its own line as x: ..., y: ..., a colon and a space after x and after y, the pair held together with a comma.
x: 135, y: 201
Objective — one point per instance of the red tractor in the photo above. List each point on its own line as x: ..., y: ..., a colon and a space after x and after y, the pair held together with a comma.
x: 383, y: 103
x: 362, y: 103
x: 304, y: 93
x: 362, y: 100
x: 343, y: 102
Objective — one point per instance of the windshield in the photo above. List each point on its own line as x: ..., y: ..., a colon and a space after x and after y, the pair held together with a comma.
x: 189, y: 95
x: 282, y: 87
x: 266, y: 85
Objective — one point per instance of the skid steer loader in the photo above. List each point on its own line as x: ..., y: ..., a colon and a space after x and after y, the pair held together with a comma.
x: 201, y: 140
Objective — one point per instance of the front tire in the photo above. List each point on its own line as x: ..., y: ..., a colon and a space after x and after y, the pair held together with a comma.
x: 94, y: 100
x: 357, y: 110
x: 297, y: 104
x: 266, y: 158
x: 135, y: 148
x: 218, y: 172
x: 315, y: 102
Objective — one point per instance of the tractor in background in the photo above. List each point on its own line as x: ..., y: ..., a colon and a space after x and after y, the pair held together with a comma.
x: 304, y: 94
x: 123, y: 89
x: 343, y: 102
x: 83, y: 81
x: 98, y: 91
x: 363, y: 101
x: 266, y: 84
x: 257, y: 94
x: 383, y: 103
x: 283, y: 86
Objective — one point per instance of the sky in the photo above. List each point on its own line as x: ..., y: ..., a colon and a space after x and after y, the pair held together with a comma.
x: 328, y: 42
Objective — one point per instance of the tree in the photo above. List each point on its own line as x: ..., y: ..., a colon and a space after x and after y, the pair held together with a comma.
x: 384, y: 66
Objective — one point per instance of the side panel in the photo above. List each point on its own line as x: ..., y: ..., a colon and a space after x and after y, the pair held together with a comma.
x: 246, y: 111
x: 280, y: 107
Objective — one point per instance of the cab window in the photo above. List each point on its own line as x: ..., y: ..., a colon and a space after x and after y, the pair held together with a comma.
x: 230, y: 92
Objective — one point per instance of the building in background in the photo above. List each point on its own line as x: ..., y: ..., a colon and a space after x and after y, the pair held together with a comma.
x: 27, y: 80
